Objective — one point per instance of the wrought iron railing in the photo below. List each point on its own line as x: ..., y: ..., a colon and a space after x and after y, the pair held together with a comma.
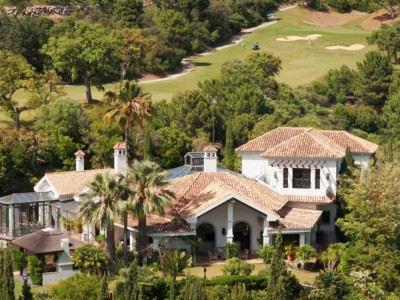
x: 23, y: 230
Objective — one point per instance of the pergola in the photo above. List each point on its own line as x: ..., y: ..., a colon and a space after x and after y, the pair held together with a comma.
x: 24, y: 213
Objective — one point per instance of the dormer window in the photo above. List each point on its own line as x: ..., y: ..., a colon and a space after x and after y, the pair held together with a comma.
x: 301, y: 178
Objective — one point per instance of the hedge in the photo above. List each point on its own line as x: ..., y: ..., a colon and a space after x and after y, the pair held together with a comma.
x: 159, y: 288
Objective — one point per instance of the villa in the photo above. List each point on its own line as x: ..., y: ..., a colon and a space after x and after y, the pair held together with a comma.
x: 289, y: 180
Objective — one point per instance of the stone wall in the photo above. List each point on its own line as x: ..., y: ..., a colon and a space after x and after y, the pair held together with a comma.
x: 47, y: 10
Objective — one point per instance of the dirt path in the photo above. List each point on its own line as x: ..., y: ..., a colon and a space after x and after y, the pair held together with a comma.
x: 187, y: 66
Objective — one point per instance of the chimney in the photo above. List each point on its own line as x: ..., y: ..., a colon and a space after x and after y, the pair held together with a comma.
x: 210, y: 159
x: 120, y: 158
x: 80, y: 161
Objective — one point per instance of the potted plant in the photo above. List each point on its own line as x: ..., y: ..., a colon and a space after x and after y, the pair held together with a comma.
x: 290, y: 251
x: 67, y: 223
x: 100, y: 239
x: 231, y: 250
x: 79, y: 227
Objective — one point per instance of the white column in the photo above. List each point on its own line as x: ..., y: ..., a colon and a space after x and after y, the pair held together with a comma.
x: 155, y: 243
x: 229, y: 234
x: 290, y: 177
x: 11, y: 222
x: 302, y: 239
x: 312, y: 178
x: 131, y: 241
x: 267, y: 240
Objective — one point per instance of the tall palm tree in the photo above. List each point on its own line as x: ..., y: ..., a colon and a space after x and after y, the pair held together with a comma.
x: 101, y: 206
x: 129, y: 107
x: 147, y: 179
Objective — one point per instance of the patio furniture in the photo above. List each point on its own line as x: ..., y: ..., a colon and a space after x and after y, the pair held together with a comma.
x: 212, y: 256
x: 244, y: 254
x: 220, y: 252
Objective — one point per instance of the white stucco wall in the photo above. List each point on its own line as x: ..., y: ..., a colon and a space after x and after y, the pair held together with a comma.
x: 252, y: 164
x: 274, y: 176
x: 241, y: 213
x: 362, y: 159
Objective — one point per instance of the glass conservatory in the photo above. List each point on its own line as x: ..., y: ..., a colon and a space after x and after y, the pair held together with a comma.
x: 24, y: 213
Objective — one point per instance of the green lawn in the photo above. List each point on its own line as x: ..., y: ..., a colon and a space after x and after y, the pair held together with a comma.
x: 301, y: 63
x: 216, y: 270
x: 18, y: 288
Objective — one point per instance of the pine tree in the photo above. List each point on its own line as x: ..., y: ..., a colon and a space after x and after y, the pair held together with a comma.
x: 147, y: 144
x: 348, y: 163
x: 229, y: 159
x: 26, y: 291
x: 131, y: 286
x: 104, y: 293
x: 277, y: 272
x: 6, y: 276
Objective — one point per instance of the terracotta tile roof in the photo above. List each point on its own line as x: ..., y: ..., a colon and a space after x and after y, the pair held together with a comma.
x: 73, y: 182
x: 311, y: 199
x: 307, y: 142
x: 193, y: 192
x: 272, y: 139
x: 210, y: 149
x: 196, y: 192
x: 296, y: 218
x: 79, y: 153
x: 163, y: 224
x: 355, y: 143
x: 120, y: 146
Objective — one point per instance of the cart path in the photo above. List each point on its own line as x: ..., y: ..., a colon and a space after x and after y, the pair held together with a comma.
x: 187, y: 66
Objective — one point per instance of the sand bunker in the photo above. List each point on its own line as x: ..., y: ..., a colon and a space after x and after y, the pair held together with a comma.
x: 292, y: 38
x: 353, y: 47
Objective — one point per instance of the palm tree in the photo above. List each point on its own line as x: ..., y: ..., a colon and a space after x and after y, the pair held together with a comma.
x: 173, y: 264
x: 194, y: 242
x: 128, y: 107
x: 101, y: 206
x: 147, y: 179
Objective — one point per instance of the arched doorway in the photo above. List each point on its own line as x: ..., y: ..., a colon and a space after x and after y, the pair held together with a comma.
x: 241, y: 235
x: 206, y: 232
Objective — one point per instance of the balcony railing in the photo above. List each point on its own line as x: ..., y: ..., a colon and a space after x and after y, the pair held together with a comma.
x: 24, y: 230
x: 301, y: 183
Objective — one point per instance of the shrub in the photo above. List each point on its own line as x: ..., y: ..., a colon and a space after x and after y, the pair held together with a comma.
x: 36, y: 269
x: 265, y: 252
x: 222, y: 292
x: 78, y: 287
x: 217, y: 292
x: 235, y: 266
x: 305, y: 253
x: 90, y: 258
x: 19, y: 260
x: 258, y: 282
x: 231, y: 250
